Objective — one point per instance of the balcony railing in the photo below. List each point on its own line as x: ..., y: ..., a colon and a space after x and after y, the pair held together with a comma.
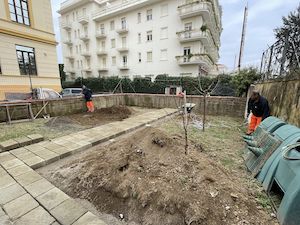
x: 66, y: 25
x: 101, y: 52
x: 68, y: 42
x: 86, y: 53
x: 124, y: 66
x: 102, y: 69
x: 194, y: 59
x: 123, y: 49
x: 84, y: 37
x: 70, y: 57
x: 87, y: 69
x: 122, y: 30
x: 83, y: 19
x: 100, y: 34
x: 118, y: 8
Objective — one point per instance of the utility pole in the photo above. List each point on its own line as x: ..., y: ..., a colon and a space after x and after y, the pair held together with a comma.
x: 243, y: 38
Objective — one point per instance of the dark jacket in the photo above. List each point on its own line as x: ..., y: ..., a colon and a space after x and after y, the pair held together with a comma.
x: 259, y: 108
x: 87, y: 94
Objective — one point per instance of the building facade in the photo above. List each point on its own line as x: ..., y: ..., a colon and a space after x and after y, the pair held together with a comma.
x: 130, y: 38
x: 28, y: 56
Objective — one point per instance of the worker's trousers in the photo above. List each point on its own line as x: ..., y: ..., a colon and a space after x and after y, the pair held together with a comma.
x: 90, y: 106
x: 254, y: 123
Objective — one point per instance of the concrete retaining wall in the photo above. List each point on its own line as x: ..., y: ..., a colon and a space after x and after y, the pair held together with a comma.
x: 284, y: 99
x: 228, y: 106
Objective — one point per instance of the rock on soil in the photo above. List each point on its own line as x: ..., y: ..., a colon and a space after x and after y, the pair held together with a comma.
x: 150, y: 181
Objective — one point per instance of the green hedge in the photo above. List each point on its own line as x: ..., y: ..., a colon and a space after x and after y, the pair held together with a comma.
x: 145, y: 85
x: 235, y: 84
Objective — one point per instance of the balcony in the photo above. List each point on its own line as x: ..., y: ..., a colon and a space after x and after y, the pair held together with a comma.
x: 86, y: 54
x: 70, y: 70
x: 87, y: 69
x: 84, y: 37
x: 195, y: 8
x: 123, y: 49
x: 70, y: 57
x: 66, y: 25
x: 113, y: 9
x: 205, y: 9
x: 122, y: 30
x: 124, y: 66
x: 194, y: 59
x: 68, y: 42
x: 103, y: 69
x: 83, y: 20
x: 100, y: 34
x: 101, y: 52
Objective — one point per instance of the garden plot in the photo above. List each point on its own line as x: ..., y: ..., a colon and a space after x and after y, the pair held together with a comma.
x: 64, y: 125
x: 145, y: 178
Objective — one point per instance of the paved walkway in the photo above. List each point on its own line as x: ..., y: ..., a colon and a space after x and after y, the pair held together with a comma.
x: 26, y: 198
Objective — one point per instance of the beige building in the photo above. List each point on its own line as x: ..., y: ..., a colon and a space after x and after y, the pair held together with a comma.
x: 27, y: 46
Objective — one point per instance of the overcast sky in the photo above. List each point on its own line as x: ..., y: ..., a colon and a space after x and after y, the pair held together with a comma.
x: 264, y: 16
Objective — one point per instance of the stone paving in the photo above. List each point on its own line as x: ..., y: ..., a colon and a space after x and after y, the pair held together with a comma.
x: 26, y: 198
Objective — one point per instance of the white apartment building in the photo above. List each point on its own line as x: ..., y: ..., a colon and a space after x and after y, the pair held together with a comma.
x: 130, y: 38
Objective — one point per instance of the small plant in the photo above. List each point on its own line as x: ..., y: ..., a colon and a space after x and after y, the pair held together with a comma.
x: 203, y: 28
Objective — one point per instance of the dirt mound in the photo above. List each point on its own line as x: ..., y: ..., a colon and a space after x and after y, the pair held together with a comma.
x: 148, y: 178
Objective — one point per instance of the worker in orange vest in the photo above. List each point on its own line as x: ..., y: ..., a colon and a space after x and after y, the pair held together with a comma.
x: 88, y: 98
x: 258, y: 110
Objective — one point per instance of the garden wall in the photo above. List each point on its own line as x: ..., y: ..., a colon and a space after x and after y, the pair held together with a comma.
x: 284, y: 99
x: 227, y: 106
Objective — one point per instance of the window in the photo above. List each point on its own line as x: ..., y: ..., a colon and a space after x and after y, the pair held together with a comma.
x: 19, y: 11
x: 149, y: 36
x: 139, y: 17
x: 78, y: 33
x: 78, y: 65
x: 149, y: 56
x: 26, y: 59
x: 188, y: 30
x: 73, y: 16
x: 164, y: 10
x: 84, y: 11
x: 164, y: 33
x: 102, y: 29
x: 77, y: 49
x: 124, y: 42
x: 140, y: 57
x: 123, y: 23
x: 124, y: 59
x: 104, y: 62
x: 103, y: 45
x: 80, y: 49
x: 164, y: 54
x: 114, y: 60
x: 149, y: 14
x: 139, y: 38
x: 112, y: 25
x: 77, y: 15
x: 113, y: 43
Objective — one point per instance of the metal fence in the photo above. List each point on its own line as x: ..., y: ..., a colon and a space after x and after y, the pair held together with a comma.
x: 280, y: 60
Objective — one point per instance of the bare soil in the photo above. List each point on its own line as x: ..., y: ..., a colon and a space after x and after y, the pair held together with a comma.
x: 147, y: 178
x: 97, y: 118
x: 64, y: 125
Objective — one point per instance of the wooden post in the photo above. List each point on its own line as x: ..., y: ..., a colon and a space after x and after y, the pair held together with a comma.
x: 7, y: 114
x: 204, y: 111
x: 185, y: 123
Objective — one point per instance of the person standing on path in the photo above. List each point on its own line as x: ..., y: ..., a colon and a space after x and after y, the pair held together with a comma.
x: 88, y: 94
x: 258, y: 106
